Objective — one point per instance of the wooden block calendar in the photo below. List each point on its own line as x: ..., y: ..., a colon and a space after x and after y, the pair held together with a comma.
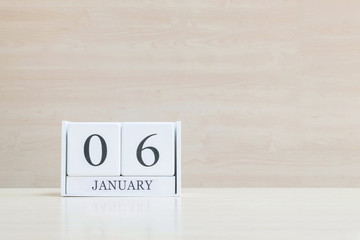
x: 121, y: 159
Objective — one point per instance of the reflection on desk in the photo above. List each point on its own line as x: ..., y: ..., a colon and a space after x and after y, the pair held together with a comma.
x: 91, y: 216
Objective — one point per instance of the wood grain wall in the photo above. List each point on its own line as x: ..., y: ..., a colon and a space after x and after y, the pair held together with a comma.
x: 268, y: 91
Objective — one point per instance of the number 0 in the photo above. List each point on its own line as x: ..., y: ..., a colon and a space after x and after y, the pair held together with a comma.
x: 140, y: 149
x: 103, y: 150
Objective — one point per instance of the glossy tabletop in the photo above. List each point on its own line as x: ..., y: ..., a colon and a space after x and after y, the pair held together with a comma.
x: 207, y: 213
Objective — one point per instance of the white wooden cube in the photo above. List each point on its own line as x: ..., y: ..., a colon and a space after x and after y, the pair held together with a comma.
x: 148, y: 149
x: 93, y: 149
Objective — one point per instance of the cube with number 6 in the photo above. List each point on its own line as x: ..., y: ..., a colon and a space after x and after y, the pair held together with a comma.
x: 148, y: 149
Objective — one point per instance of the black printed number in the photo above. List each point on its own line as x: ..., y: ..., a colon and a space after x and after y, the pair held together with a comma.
x: 140, y: 148
x: 103, y: 150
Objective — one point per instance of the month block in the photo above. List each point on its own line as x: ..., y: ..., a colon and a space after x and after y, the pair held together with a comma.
x: 148, y: 149
x: 121, y: 159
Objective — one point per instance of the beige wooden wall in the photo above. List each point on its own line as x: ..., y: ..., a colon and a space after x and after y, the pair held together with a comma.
x: 268, y: 91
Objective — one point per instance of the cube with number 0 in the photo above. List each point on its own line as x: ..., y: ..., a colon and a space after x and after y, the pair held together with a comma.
x: 121, y: 159
x: 93, y: 149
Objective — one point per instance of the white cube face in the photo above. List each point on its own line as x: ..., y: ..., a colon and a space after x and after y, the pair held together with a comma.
x: 148, y: 149
x: 94, y: 149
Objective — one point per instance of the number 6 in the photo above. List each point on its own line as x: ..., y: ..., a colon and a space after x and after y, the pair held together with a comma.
x: 140, y: 149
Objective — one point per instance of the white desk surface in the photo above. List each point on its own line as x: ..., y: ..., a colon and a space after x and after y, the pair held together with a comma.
x: 206, y: 213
